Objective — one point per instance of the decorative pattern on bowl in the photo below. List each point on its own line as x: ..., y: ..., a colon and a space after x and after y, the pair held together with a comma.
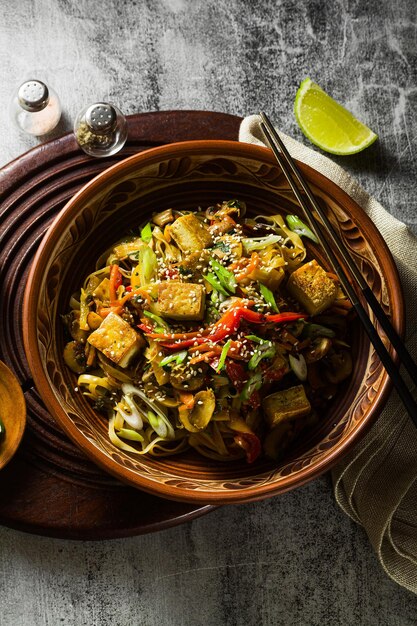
x: 186, y: 176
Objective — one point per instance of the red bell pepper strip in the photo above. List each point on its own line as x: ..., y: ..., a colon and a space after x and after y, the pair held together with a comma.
x: 179, y: 345
x: 145, y: 327
x: 115, y: 281
x: 225, y: 320
x: 230, y: 322
x: 251, y: 444
x: 227, y: 325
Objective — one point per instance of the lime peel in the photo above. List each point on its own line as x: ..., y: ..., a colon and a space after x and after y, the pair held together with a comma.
x: 327, y: 124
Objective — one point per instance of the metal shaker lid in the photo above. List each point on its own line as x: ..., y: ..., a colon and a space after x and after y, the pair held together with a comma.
x: 101, y: 118
x: 33, y: 95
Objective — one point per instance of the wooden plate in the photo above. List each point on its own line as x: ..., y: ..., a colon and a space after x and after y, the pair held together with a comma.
x: 50, y: 487
x: 183, y: 176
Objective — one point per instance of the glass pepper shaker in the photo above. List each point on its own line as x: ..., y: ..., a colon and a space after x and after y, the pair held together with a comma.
x: 35, y: 108
x: 100, y: 129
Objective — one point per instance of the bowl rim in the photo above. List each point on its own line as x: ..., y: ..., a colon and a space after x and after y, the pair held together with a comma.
x: 60, y: 223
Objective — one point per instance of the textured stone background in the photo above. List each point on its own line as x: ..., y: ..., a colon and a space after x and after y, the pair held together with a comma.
x: 294, y: 560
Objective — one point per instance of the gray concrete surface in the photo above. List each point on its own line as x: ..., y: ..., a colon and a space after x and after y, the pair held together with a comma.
x: 295, y: 560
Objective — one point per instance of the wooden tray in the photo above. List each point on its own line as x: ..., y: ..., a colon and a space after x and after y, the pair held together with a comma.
x: 50, y: 488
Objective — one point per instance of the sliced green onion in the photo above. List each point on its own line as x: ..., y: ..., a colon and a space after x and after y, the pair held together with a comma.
x: 258, y: 243
x: 298, y: 366
x: 132, y: 435
x: 223, y: 355
x: 161, y: 424
x: 226, y: 278
x: 297, y: 226
x: 266, y: 350
x: 128, y: 389
x: 255, y: 338
x: 133, y: 416
x: 146, y: 233
x: 253, y: 384
x: 178, y: 357
x: 157, y: 424
x: 158, y: 320
x: 268, y: 296
x: 215, y: 283
x: 147, y: 265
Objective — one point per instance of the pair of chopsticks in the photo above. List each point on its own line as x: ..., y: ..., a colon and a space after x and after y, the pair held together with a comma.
x: 325, y: 234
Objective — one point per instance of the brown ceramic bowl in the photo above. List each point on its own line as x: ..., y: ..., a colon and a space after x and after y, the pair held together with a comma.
x: 185, y: 176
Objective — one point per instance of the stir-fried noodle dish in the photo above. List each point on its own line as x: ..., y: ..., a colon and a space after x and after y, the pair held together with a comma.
x: 210, y: 330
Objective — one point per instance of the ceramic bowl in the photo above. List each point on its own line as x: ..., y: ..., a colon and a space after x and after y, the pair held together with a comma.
x: 185, y: 176
x: 12, y: 414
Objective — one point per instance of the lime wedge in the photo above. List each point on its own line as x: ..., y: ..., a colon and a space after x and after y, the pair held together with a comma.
x: 327, y: 124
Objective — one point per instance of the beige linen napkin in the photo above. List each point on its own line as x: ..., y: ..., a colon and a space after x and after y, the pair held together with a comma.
x: 376, y: 483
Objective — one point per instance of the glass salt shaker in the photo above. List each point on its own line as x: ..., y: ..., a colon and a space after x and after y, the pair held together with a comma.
x: 35, y: 108
x: 100, y: 129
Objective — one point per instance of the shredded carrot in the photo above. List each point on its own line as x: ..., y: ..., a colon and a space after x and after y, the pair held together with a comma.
x: 205, y: 347
x: 187, y: 399
x: 253, y: 264
x: 129, y: 296
x: 203, y: 357
x: 104, y: 311
x: 233, y: 353
x: 115, y: 281
x: 238, y: 264
x: 125, y: 299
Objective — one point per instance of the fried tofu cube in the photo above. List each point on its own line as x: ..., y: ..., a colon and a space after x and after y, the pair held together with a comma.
x: 181, y: 301
x: 102, y: 291
x: 311, y: 286
x: 190, y: 234
x: 116, y: 339
x: 286, y: 405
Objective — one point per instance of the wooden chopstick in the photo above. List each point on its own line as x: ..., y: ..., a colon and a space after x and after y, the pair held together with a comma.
x: 325, y: 233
